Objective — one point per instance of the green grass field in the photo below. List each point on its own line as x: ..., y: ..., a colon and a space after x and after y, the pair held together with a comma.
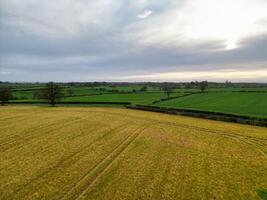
x: 20, y: 94
x: 28, y: 95
x: 121, y: 88
x: 23, y: 94
x: 80, y: 90
x: 107, y: 153
x: 227, y: 89
x: 249, y: 102
x: 135, y: 98
x: 243, y: 103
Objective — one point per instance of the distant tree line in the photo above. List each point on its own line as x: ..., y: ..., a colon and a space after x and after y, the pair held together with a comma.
x: 54, y: 92
x: 192, y: 84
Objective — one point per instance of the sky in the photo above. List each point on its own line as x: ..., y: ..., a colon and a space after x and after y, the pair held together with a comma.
x: 133, y: 40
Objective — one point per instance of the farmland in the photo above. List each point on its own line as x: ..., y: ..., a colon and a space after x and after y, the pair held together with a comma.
x: 100, y: 94
x: 139, y: 98
x: 250, y: 101
x: 242, y: 103
x: 99, y: 153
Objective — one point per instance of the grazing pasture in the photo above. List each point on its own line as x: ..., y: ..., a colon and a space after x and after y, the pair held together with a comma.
x: 242, y: 103
x: 109, y: 153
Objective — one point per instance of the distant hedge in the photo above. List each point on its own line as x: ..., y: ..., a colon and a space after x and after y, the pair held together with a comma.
x: 85, y: 95
x: 73, y: 102
x: 251, y: 91
x: 170, y: 98
x: 205, y: 114
x: 26, y: 90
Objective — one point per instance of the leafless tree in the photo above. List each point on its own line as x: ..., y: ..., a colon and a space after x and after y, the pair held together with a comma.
x: 5, y: 95
x: 52, y: 92
x: 203, y: 85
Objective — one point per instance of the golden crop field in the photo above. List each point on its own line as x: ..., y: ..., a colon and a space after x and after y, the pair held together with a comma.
x: 111, y: 153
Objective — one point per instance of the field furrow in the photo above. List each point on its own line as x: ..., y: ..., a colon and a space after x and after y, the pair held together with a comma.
x: 90, y: 178
x: 111, y: 153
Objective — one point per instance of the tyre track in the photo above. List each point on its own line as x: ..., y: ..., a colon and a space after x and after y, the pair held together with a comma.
x: 17, y: 117
x: 260, y: 146
x: 78, y: 154
x: 15, y: 138
x: 165, y: 122
x: 38, y: 137
x: 7, y: 137
x: 87, y: 181
x: 259, y: 143
x: 28, y: 133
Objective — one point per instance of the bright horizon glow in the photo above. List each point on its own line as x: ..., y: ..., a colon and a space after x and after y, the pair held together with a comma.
x: 246, y: 75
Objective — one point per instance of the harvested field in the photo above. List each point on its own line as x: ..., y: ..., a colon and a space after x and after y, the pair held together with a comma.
x: 111, y: 153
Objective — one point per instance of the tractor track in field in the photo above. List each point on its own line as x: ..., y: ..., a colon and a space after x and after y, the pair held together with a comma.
x: 162, y: 129
x: 225, y: 133
x: 11, y: 126
x: 2, y: 119
x: 93, y: 174
x: 259, y: 143
x: 67, y: 159
x: 37, y: 137
x: 245, y: 139
x: 116, y: 157
x: 90, y: 178
x: 157, y: 121
x: 14, y: 138
x: 108, y: 131
x: 31, y: 128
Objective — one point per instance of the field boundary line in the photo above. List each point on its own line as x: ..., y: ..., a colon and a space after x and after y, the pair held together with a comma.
x: 171, y: 98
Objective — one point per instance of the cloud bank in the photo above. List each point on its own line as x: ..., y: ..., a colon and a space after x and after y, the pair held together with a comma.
x: 142, y: 40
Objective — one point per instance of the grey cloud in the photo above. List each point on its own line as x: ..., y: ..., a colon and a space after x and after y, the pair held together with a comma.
x: 99, y: 53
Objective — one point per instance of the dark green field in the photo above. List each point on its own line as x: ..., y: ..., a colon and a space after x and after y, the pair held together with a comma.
x: 248, y: 101
x: 243, y: 103
x: 134, y: 98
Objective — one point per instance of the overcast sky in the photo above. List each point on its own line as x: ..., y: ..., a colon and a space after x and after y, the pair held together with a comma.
x: 133, y: 40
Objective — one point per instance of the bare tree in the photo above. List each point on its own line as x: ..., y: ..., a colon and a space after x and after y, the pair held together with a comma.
x: 168, y: 90
x: 70, y: 92
x: 203, y: 85
x: 52, y: 92
x: 5, y: 95
x: 143, y: 89
x: 228, y: 83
